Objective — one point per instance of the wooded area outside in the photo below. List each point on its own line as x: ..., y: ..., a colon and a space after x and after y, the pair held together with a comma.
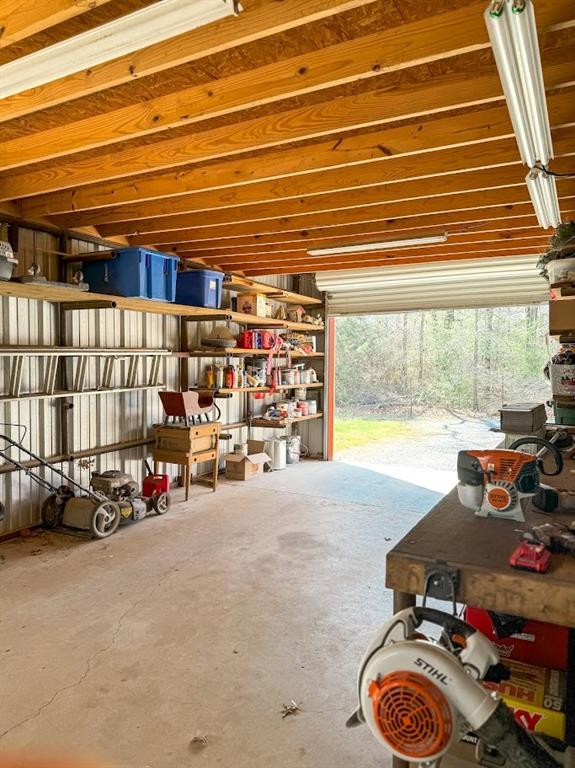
x: 469, y: 360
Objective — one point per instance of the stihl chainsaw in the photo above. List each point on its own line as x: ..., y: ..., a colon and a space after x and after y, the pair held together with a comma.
x: 418, y: 695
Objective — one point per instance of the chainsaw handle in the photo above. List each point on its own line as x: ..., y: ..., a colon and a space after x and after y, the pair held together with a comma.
x: 542, y: 443
x: 451, y: 624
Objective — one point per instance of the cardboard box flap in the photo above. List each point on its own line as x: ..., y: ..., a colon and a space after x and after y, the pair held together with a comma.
x: 258, y: 458
x: 236, y: 458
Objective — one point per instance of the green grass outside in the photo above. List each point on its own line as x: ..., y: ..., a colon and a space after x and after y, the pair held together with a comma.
x: 355, y: 433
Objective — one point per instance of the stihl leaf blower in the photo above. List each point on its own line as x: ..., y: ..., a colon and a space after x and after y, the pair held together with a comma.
x: 418, y: 695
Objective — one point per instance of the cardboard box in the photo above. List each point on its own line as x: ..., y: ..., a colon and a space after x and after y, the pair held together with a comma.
x: 561, y: 318
x: 252, y: 304
x: 536, y: 696
x: 538, y: 643
x: 240, y: 467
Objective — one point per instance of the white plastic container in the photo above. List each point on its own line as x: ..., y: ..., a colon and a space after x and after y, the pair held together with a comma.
x: 561, y: 271
x: 276, y: 449
x: 312, y: 407
x: 562, y: 379
x: 288, y: 376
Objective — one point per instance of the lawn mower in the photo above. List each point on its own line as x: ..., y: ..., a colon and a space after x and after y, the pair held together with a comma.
x: 111, y: 498
x: 418, y: 695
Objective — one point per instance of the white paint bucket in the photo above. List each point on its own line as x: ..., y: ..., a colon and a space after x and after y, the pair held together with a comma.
x: 276, y: 450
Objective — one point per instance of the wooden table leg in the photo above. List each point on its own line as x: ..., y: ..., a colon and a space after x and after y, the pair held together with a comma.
x: 402, y: 600
x: 215, y: 470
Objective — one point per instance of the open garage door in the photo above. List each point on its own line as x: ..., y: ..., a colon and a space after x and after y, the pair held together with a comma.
x: 492, y: 282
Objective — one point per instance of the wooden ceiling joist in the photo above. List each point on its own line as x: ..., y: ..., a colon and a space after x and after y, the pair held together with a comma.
x: 426, y: 189
x: 455, y: 91
x: 441, y: 36
x: 262, y: 18
x: 343, y: 121
x: 456, y: 223
x: 393, y: 170
x: 387, y: 261
x: 501, y: 203
x: 273, y: 252
x: 19, y: 19
x: 376, y: 146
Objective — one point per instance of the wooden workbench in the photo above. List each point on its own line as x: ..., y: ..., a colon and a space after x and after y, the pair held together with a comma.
x: 479, y: 548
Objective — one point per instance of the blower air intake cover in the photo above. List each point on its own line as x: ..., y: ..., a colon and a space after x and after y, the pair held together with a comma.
x: 411, y: 714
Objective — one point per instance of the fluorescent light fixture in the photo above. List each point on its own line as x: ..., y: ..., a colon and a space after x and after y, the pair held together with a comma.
x: 513, y: 35
x: 379, y: 246
x: 543, y: 193
x: 153, y: 24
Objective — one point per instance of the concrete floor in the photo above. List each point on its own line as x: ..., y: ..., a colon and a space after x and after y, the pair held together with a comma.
x: 205, y: 622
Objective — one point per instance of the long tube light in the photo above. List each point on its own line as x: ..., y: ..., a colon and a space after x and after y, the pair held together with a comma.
x: 132, y: 32
x: 543, y: 193
x: 379, y: 246
x: 513, y: 35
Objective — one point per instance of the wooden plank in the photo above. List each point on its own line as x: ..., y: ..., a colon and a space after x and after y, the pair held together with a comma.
x: 238, y: 352
x: 19, y: 19
x: 480, y: 552
x: 240, y: 284
x: 451, y: 34
x: 302, y: 259
x: 467, y: 208
x: 260, y: 19
x: 388, y: 260
x: 281, y: 423
x: 277, y: 252
x: 391, y: 170
x: 455, y: 91
x: 457, y: 130
x: 449, y: 184
x: 455, y: 224
x: 60, y: 294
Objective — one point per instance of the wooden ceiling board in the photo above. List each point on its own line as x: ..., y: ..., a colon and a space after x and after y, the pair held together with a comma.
x: 429, y: 135
x: 360, y: 58
x: 486, y: 220
x: 502, y: 202
x: 333, y: 117
x: 19, y: 20
x: 90, y: 14
x: 218, y: 50
x: 300, y: 124
x: 440, y: 185
x: 381, y: 262
x: 395, y: 170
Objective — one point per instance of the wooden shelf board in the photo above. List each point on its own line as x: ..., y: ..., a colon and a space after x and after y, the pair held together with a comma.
x: 78, y: 299
x: 59, y: 393
x: 238, y: 352
x: 245, y: 285
x: 282, y: 423
x: 281, y: 388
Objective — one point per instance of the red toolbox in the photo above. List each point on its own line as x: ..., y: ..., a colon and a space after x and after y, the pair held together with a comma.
x: 532, y: 642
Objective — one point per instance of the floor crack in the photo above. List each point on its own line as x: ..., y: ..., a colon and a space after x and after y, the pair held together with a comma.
x: 97, y: 653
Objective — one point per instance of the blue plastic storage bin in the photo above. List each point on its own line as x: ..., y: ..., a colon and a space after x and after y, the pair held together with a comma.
x: 134, y: 273
x: 200, y: 288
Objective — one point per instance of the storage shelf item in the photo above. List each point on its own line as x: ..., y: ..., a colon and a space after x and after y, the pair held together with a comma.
x: 72, y: 299
x: 279, y: 388
x: 200, y: 288
x: 282, y: 423
x: 238, y: 352
x: 132, y: 272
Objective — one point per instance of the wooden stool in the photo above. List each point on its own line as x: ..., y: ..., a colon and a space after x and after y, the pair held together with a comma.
x: 186, y: 446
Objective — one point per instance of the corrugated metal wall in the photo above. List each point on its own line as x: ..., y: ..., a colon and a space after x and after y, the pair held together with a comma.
x: 96, y: 420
